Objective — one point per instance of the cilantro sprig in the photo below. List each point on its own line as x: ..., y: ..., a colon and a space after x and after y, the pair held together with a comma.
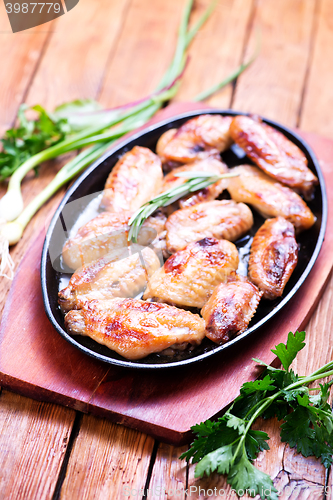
x: 230, y: 445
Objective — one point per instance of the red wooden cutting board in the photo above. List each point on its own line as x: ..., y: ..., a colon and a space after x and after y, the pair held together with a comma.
x: 37, y: 362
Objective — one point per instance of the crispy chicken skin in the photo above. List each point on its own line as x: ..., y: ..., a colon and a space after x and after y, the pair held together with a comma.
x: 269, y: 197
x: 108, y: 232
x: 108, y: 277
x: 274, y: 153
x: 210, y: 193
x: 189, y: 277
x: 134, y: 180
x: 273, y: 256
x: 230, y: 309
x: 198, y: 138
x: 134, y: 328
x: 221, y: 219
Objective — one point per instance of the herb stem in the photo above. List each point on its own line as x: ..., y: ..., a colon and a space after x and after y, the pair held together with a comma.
x: 269, y: 400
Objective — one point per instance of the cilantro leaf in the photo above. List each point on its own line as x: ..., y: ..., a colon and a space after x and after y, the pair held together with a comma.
x: 287, y: 353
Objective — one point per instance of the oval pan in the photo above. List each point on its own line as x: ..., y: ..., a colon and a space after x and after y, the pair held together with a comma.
x: 93, y: 180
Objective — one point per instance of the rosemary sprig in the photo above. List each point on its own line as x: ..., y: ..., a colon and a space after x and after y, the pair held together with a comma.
x: 195, y: 181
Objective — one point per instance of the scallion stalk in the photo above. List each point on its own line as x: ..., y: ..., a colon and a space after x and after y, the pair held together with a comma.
x: 14, y: 220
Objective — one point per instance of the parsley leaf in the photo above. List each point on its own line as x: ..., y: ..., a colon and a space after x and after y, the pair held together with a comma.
x: 287, y: 353
x: 218, y: 460
x: 245, y: 477
x: 29, y: 138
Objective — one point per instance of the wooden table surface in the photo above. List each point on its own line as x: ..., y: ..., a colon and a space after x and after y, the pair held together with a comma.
x: 116, y: 51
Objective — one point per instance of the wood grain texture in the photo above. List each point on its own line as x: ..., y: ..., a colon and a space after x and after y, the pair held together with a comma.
x: 316, y: 115
x: 144, y: 51
x: 273, y: 85
x: 273, y: 89
x: 75, y: 61
x: 33, y: 441
x: 107, y: 461
x: 169, y: 474
x: 19, y: 55
x: 211, y: 62
x: 329, y: 485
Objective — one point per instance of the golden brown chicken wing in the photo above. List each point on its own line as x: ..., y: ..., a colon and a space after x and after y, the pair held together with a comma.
x: 273, y: 153
x: 273, y: 256
x: 107, y: 233
x: 109, y: 277
x: 189, y: 277
x: 134, y: 328
x: 134, y: 180
x: 223, y: 219
x: 210, y: 193
x: 230, y: 309
x: 198, y: 138
x: 269, y: 197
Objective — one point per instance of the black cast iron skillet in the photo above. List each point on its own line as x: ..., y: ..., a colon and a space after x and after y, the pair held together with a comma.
x: 93, y: 180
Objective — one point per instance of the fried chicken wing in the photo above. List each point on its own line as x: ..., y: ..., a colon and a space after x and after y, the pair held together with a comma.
x: 274, y: 153
x: 134, y: 328
x: 223, y: 219
x: 109, y: 277
x: 134, y: 180
x: 273, y: 257
x: 269, y: 197
x: 198, y: 138
x: 230, y: 309
x: 107, y: 233
x: 210, y: 193
x: 189, y: 277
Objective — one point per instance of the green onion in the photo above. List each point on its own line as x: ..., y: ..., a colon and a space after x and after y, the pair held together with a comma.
x: 114, y: 123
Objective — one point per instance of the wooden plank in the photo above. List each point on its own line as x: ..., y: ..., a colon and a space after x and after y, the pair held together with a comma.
x: 33, y: 441
x: 329, y: 485
x: 217, y: 50
x: 107, y: 461
x: 145, y: 49
x: 316, y: 115
x: 273, y: 85
x: 19, y: 55
x: 74, y: 63
x: 169, y: 475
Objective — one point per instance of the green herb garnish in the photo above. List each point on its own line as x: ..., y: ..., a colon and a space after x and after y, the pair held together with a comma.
x: 195, y: 181
x: 29, y: 138
x: 229, y: 445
